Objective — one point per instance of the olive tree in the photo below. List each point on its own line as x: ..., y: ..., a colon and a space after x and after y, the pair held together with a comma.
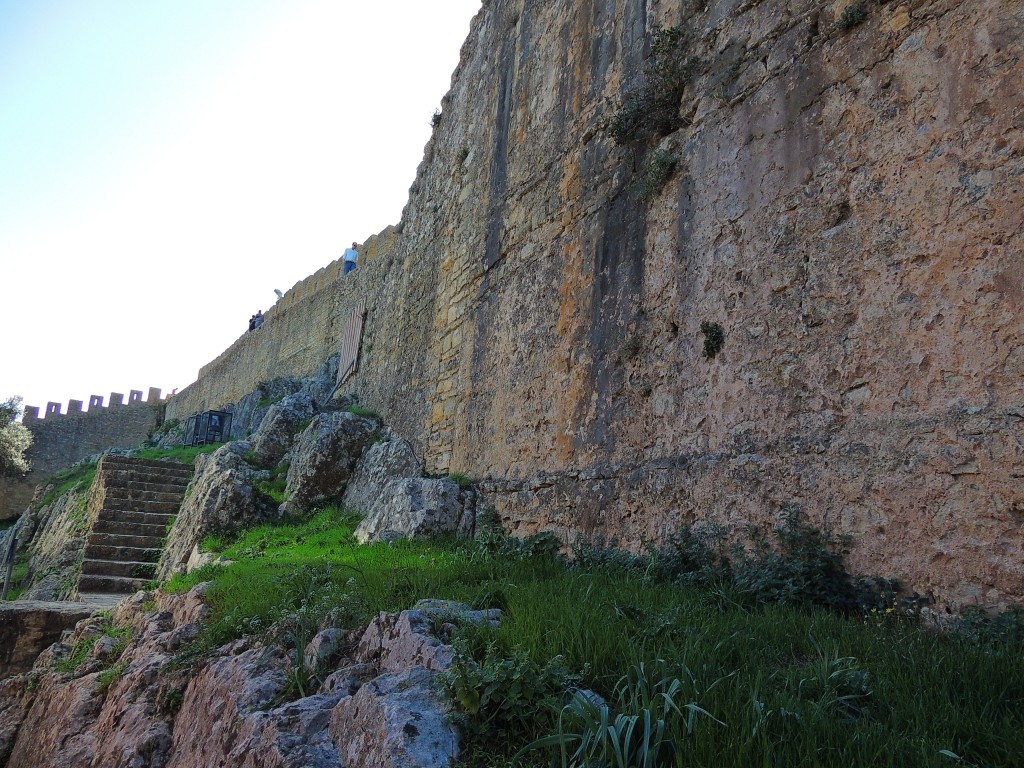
x: 15, y: 439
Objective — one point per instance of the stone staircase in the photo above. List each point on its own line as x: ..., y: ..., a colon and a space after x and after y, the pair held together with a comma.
x: 140, y: 497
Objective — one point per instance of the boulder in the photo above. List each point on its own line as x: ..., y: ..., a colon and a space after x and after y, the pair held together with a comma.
x: 395, y: 721
x: 324, y: 456
x: 412, y: 508
x: 220, y: 498
x: 250, y: 411
x: 277, y: 430
x: 27, y: 627
x: 382, y: 463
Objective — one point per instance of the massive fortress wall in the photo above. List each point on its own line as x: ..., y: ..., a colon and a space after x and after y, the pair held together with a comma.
x: 848, y: 207
x: 61, y: 439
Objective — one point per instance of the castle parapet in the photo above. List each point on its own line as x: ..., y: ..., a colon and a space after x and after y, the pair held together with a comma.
x: 76, y: 407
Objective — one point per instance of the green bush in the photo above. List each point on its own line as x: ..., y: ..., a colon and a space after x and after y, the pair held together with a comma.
x: 658, y: 170
x: 714, y: 338
x: 853, y: 15
x: 499, y: 697
x: 652, y: 109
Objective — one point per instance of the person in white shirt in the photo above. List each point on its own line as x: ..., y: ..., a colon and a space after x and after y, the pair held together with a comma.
x: 350, y: 258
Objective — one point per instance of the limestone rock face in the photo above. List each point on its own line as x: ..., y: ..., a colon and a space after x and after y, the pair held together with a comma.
x: 412, y: 508
x: 53, y: 536
x: 219, y: 498
x: 277, y: 430
x: 29, y: 626
x: 383, y: 462
x: 238, y: 709
x: 395, y: 721
x: 249, y: 412
x: 324, y: 456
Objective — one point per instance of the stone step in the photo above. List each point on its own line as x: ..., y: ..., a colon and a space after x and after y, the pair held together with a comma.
x: 129, y: 569
x: 100, y: 539
x: 129, y: 529
x: 133, y: 494
x: 150, y: 507
x: 136, y: 518
x: 110, y: 584
x: 94, y: 551
x: 151, y: 486
x: 101, y: 599
x: 134, y: 476
x: 125, y: 462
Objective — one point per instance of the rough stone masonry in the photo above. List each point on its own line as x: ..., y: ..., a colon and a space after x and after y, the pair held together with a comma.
x: 847, y: 206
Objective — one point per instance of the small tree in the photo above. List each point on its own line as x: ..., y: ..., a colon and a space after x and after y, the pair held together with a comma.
x: 15, y: 439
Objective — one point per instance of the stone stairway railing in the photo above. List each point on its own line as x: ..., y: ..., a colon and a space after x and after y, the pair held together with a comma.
x: 140, y: 497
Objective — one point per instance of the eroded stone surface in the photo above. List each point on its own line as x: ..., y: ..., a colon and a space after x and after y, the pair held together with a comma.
x: 220, y: 498
x: 382, y: 463
x: 414, y: 508
x: 277, y: 430
x: 325, y: 455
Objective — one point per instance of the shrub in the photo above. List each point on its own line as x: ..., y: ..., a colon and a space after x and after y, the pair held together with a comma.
x: 461, y: 479
x: 993, y: 629
x: 500, y: 697
x: 652, y: 109
x: 714, y: 338
x: 852, y: 16
x: 803, y: 566
x: 659, y: 169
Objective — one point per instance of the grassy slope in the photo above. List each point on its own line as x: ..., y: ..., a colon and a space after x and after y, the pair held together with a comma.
x: 755, y: 669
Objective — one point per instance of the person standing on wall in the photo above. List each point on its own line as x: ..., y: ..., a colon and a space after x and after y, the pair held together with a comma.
x: 351, y: 254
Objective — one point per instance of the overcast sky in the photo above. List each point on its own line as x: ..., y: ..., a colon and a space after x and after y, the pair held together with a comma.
x: 165, y: 164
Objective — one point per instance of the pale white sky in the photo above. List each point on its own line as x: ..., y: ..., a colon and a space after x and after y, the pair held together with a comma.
x: 164, y: 165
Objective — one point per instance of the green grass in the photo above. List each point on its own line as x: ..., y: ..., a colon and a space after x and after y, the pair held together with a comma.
x: 19, y: 576
x: 179, y: 454
x: 782, y: 685
x: 366, y: 413
x: 68, y: 479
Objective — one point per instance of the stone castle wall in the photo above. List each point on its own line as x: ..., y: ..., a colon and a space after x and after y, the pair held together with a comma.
x: 848, y: 208
x: 62, y: 439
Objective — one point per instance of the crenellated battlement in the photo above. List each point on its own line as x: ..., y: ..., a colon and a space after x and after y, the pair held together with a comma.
x: 75, y: 407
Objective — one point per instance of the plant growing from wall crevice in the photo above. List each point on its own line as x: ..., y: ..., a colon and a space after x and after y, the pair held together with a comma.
x: 652, y: 109
x: 714, y: 338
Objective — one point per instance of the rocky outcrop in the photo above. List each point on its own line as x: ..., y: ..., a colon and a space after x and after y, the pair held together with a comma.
x: 27, y: 627
x: 220, y: 499
x: 277, y: 430
x: 52, y: 537
x: 384, y: 461
x: 119, y: 704
x: 415, y: 508
x: 324, y: 456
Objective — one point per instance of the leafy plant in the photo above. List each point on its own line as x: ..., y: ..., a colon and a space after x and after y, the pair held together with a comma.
x: 652, y: 109
x: 802, y: 566
x: 993, y: 629
x: 852, y: 15
x: 499, y: 696
x: 646, y: 728
x: 714, y: 338
x: 461, y: 479
x: 658, y: 170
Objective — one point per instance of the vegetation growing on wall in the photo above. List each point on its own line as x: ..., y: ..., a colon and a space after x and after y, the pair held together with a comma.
x: 652, y: 108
